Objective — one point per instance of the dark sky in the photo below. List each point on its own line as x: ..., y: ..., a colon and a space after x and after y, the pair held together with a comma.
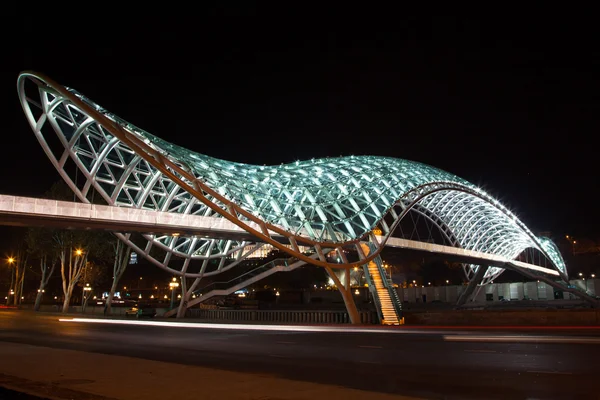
x: 512, y: 105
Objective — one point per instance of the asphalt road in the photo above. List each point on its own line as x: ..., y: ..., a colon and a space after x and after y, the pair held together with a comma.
x: 432, y: 363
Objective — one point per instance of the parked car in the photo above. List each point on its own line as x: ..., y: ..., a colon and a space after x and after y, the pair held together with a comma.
x: 131, y: 311
x: 141, y: 311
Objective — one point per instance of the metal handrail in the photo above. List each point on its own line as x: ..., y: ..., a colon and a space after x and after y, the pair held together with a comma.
x: 227, y: 284
x: 388, y: 284
x: 373, y: 291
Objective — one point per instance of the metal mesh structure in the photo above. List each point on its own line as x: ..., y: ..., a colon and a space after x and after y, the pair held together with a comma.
x: 330, y: 203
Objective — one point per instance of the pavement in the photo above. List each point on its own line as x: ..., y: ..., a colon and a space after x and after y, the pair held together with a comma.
x: 119, y: 359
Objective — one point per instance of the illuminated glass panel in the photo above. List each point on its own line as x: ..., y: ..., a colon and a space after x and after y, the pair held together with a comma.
x: 329, y: 200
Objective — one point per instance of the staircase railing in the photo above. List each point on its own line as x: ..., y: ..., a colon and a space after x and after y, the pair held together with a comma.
x: 373, y: 291
x: 245, y: 276
x: 388, y: 284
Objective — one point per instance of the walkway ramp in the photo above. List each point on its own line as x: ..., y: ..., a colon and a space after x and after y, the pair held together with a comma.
x: 385, y: 296
x: 226, y: 288
x: 560, y: 285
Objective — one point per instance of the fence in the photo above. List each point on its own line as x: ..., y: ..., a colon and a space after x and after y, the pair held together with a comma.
x: 282, y: 316
x: 93, y: 309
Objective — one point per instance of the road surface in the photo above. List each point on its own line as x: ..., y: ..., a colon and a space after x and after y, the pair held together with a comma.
x: 420, y: 362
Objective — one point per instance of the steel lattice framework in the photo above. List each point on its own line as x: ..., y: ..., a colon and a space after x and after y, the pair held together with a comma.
x: 330, y: 203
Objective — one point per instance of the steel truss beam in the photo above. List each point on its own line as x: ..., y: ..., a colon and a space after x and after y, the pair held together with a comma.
x: 327, y: 203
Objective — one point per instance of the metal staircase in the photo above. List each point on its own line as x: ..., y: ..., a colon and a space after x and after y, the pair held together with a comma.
x: 387, y: 302
x: 242, y: 281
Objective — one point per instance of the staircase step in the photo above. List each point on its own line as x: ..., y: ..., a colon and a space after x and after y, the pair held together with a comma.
x: 386, y: 301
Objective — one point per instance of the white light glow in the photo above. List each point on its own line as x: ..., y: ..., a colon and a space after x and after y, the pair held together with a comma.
x: 281, y: 328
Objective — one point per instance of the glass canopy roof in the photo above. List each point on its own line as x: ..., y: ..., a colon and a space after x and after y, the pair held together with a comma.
x: 329, y: 200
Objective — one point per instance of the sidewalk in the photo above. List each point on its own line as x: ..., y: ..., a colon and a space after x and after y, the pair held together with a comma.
x: 67, y: 374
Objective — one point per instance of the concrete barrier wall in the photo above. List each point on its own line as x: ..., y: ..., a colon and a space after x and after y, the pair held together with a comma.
x: 522, y: 318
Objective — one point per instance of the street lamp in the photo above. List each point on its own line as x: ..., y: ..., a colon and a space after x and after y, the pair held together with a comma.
x: 11, y: 261
x: 173, y: 285
x: 85, y: 296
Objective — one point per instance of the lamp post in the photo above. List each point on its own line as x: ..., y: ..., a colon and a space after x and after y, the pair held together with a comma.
x: 10, y: 262
x: 87, y: 290
x: 78, y: 253
x: 173, y: 285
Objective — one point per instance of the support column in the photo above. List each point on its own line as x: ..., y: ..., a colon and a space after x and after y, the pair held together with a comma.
x: 185, y: 296
x: 477, y: 278
x: 346, y: 295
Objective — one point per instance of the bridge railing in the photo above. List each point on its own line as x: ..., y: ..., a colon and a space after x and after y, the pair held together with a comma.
x: 281, y: 316
x: 80, y: 211
x: 373, y: 291
x: 389, y: 285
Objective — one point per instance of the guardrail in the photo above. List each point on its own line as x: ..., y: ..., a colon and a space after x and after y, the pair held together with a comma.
x: 282, y: 316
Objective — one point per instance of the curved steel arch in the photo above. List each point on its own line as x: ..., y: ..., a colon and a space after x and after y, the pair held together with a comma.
x: 323, y: 203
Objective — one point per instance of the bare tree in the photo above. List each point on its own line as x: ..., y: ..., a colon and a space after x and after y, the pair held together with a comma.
x: 121, y: 259
x: 40, y: 245
x: 93, y: 275
x: 74, y: 251
x: 72, y: 263
x: 47, y: 269
x: 19, y: 265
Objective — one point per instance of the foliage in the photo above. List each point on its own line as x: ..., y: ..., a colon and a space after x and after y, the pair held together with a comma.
x: 93, y: 274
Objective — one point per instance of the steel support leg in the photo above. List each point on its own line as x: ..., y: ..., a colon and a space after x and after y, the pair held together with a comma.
x: 590, y: 299
x: 465, y: 296
x: 185, y: 298
x: 346, y: 293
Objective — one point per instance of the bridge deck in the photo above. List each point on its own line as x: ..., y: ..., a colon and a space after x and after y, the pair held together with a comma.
x: 28, y: 211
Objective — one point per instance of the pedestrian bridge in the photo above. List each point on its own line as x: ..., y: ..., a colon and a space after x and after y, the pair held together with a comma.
x: 30, y: 211
x: 193, y: 207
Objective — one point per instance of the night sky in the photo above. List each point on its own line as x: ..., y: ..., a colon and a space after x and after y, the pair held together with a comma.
x: 511, y: 105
